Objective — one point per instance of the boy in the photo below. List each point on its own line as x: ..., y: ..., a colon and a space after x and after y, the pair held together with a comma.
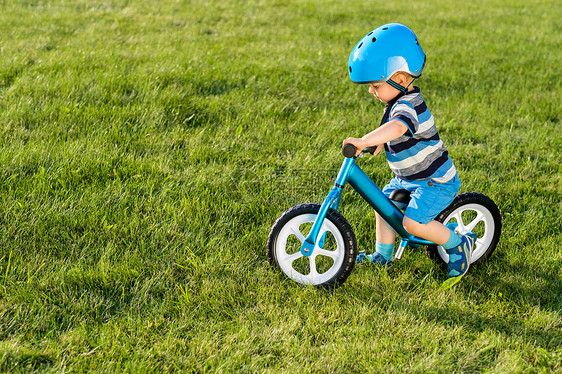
x: 388, y: 59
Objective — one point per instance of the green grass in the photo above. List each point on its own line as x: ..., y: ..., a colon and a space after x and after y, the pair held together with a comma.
x: 147, y: 147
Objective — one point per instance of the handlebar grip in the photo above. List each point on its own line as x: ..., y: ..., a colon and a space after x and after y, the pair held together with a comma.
x: 349, y: 150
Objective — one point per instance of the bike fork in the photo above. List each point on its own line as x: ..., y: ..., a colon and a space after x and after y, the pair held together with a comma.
x: 332, y: 201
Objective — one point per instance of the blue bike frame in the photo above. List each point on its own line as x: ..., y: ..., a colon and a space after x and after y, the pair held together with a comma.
x: 352, y: 174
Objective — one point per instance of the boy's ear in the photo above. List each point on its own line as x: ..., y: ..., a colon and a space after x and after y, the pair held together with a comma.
x: 401, y: 79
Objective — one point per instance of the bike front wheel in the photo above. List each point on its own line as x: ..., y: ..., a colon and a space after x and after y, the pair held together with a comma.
x: 476, y: 213
x: 333, y: 257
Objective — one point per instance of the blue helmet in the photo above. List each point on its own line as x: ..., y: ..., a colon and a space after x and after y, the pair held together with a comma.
x: 385, y: 51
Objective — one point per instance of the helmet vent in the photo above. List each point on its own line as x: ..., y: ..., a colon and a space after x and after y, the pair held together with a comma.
x: 418, y: 43
x: 369, y: 33
x: 350, y: 68
x: 385, y: 28
x: 359, y: 45
x: 374, y: 40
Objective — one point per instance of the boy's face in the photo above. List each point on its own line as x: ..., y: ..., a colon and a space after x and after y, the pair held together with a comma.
x: 383, y: 91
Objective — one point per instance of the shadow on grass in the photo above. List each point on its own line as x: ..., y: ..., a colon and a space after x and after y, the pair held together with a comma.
x: 524, y: 283
x: 508, y: 299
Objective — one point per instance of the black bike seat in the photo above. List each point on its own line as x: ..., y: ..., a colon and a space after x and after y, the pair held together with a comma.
x: 401, y: 196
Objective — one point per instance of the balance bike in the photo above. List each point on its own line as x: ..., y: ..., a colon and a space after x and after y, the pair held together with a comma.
x: 313, y: 243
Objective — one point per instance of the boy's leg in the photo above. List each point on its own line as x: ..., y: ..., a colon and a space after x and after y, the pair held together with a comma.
x: 427, y: 201
x: 385, y: 234
x: 384, y: 246
x: 385, y: 239
x: 433, y: 230
x: 459, y: 248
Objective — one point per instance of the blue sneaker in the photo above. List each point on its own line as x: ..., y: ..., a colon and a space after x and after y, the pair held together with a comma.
x: 459, y: 260
x: 375, y: 259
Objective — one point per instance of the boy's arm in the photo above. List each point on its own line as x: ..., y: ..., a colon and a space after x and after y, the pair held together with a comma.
x: 387, y: 132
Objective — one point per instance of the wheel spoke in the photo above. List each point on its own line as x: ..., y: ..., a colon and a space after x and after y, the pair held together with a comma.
x: 313, y: 272
x: 323, y: 252
x: 455, y: 217
x: 474, y: 222
x: 458, y: 216
x: 290, y: 258
x: 298, y: 234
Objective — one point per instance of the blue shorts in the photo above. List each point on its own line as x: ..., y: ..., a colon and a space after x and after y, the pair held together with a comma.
x: 428, y: 198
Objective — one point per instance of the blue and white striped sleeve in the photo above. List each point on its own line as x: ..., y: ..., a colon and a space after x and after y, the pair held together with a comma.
x: 404, y: 111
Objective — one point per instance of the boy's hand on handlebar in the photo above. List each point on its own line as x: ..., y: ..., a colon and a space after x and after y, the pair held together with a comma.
x: 357, y: 142
x: 360, y: 144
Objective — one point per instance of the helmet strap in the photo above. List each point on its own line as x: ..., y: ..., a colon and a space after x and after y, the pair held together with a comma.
x: 400, y: 87
x: 397, y: 86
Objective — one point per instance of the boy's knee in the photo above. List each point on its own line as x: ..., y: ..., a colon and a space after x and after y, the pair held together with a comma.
x: 412, y: 226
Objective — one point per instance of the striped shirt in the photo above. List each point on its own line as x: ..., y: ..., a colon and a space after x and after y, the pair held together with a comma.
x: 418, y: 154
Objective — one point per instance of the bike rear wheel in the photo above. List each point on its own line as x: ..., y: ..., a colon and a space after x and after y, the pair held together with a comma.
x: 333, y: 257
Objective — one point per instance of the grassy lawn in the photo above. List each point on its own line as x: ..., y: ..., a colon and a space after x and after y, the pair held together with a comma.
x: 148, y: 146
